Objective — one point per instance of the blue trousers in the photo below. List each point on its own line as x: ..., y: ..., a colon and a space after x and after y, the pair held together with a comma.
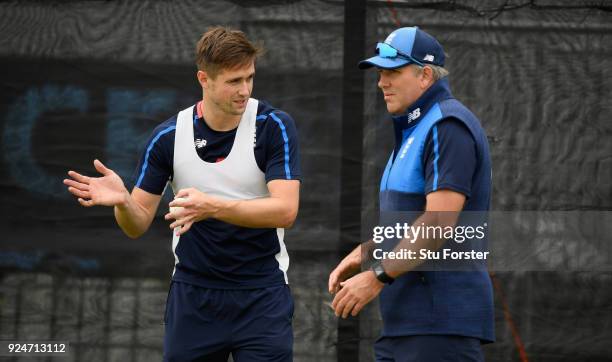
x: 209, y: 324
x: 430, y: 348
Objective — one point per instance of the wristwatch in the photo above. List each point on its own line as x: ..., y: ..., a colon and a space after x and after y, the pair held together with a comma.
x: 379, y: 271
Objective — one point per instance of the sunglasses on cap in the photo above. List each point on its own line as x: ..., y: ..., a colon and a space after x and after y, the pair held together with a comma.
x: 385, y: 50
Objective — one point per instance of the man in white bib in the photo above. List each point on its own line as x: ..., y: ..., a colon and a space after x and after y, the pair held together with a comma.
x: 233, y: 164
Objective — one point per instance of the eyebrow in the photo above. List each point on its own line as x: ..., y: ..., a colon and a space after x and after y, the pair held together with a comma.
x: 238, y: 78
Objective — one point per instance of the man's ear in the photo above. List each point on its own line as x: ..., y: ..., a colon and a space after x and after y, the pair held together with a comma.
x: 203, y: 78
x: 427, y: 77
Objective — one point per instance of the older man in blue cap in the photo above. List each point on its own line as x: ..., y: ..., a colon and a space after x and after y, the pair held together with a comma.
x: 440, y: 163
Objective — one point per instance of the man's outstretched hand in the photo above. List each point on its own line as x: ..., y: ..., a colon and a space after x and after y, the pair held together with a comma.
x: 107, y: 190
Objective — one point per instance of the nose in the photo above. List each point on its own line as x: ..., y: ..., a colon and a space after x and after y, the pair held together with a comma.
x: 244, y: 89
x: 383, y: 82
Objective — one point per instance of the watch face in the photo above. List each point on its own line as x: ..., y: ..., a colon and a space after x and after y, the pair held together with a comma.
x: 379, y: 271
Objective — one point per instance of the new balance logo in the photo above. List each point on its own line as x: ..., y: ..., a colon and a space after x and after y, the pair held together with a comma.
x: 199, y: 143
x: 414, y: 115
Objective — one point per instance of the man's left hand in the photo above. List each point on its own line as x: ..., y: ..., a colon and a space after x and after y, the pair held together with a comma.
x: 355, y: 293
x: 196, y: 206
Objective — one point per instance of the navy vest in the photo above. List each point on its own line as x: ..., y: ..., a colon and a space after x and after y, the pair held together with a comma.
x: 435, y: 302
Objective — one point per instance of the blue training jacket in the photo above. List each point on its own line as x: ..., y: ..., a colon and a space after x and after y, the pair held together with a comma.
x: 440, y: 144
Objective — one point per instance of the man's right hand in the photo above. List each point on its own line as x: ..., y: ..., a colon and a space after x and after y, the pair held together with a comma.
x: 107, y: 190
x: 348, y: 267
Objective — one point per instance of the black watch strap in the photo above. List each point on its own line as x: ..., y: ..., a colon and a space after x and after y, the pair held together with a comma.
x: 379, y: 271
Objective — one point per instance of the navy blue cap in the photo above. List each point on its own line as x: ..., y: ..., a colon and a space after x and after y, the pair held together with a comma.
x: 413, y: 45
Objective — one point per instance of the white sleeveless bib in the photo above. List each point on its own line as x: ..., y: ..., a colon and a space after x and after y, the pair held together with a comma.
x: 237, y: 177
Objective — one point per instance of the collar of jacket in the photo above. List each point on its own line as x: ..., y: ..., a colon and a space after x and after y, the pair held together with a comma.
x: 438, y: 91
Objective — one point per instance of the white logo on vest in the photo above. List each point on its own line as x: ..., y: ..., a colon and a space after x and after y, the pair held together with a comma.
x: 414, y: 115
x: 199, y: 142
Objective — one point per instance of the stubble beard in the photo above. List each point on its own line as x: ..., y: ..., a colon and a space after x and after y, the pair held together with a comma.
x: 228, y: 108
